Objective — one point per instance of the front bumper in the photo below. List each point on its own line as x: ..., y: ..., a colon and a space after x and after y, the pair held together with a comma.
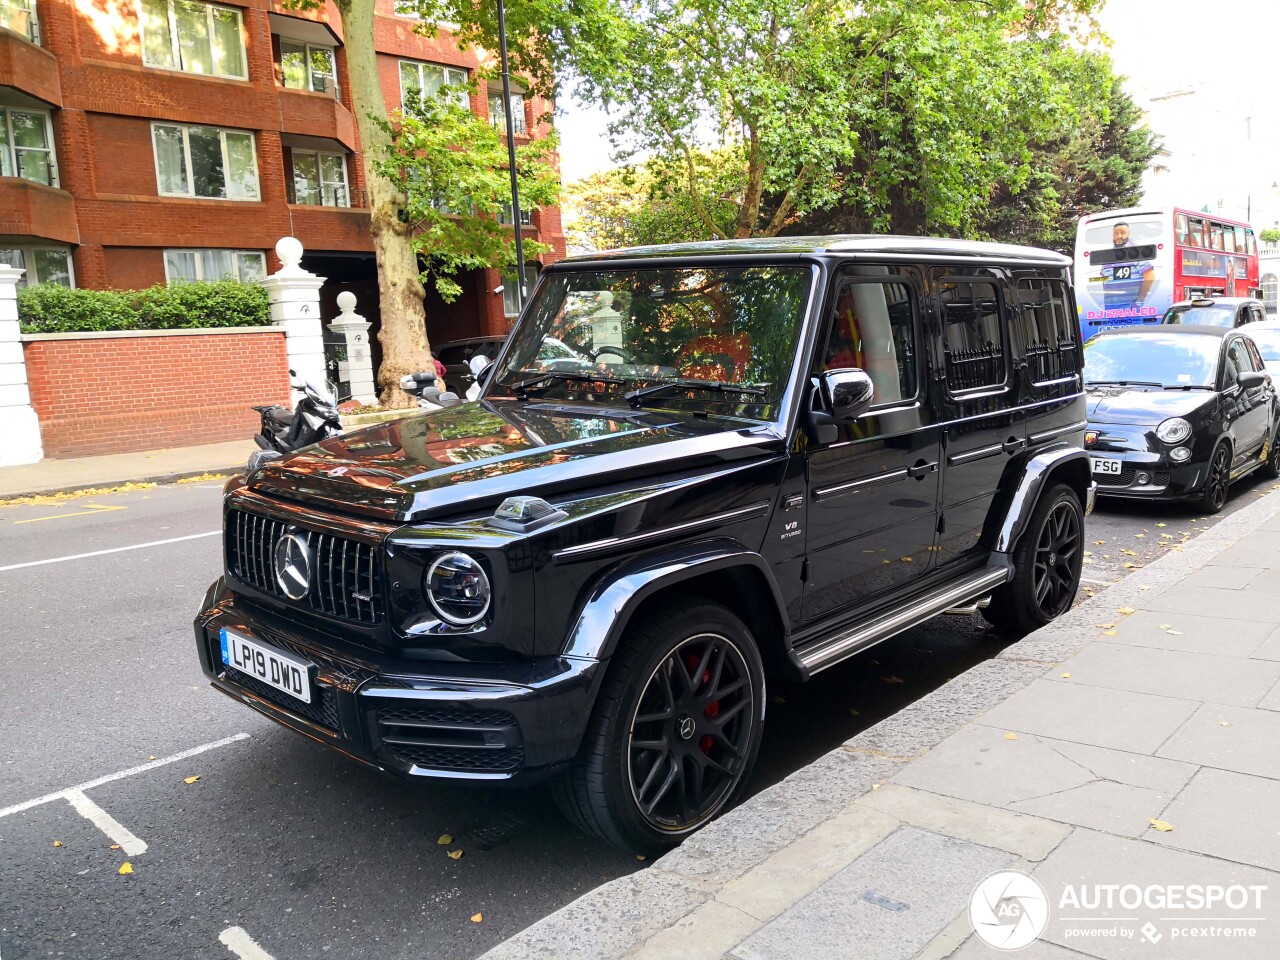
x: 510, y: 723
x: 1166, y: 480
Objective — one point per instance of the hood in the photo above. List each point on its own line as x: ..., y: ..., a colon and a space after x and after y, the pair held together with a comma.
x: 1148, y: 407
x: 473, y: 456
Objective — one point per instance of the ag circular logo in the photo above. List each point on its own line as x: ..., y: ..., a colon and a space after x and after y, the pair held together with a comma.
x: 1009, y: 910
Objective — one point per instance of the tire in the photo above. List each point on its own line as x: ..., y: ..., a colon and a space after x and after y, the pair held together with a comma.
x: 1271, y: 466
x: 1047, y: 562
x: 667, y: 750
x: 1217, y: 481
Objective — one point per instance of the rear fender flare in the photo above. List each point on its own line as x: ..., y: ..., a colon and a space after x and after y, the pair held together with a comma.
x: 1059, y: 463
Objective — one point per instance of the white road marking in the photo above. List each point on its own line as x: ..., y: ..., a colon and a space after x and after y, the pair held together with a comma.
x: 242, y: 945
x: 112, y: 777
x: 108, y: 824
x: 99, y: 553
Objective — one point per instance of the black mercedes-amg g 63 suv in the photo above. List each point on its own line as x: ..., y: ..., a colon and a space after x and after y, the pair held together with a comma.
x: 692, y: 468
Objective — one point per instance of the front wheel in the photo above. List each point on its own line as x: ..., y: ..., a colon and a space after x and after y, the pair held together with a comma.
x: 1047, y: 563
x: 1271, y: 465
x: 1217, y: 481
x: 675, y: 730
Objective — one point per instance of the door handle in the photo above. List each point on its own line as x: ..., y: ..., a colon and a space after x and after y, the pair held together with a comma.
x: 920, y: 470
x: 1013, y: 445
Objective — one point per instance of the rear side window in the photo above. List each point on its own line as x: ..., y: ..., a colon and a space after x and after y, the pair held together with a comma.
x: 1044, y: 332
x: 973, y: 336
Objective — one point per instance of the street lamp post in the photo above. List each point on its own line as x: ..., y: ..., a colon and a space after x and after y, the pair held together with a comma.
x: 511, y: 156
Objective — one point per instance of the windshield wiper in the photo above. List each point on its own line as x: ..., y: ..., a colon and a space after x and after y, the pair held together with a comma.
x: 522, y: 388
x: 636, y: 397
x: 1189, y: 386
x: 1122, y: 383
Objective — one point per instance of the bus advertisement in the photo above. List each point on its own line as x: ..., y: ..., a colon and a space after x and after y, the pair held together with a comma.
x: 1132, y: 265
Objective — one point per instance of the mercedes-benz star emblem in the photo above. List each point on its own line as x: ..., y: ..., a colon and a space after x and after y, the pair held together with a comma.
x: 686, y: 727
x: 292, y: 561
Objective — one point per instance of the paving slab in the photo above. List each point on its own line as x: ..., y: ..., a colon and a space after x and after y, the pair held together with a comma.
x: 1075, y: 877
x: 886, y: 905
x: 1272, y: 700
x: 975, y: 949
x: 1135, y: 722
x: 1267, y: 581
x: 706, y: 934
x: 1067, y: 782
x: 51, y: 476
x: 1192, y: 634
x: 1223, y: 578
x: 1255, y: 549
x: 1229, y: 815
x: 1170, y: 673
x: 1229, y: 738
x: 1242, y: 604
x: 1270, y: 648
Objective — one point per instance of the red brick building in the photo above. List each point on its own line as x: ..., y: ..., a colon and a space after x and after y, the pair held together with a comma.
x: 151, y: 140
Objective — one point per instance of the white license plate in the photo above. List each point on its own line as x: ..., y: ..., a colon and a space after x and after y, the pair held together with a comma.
x: 1101, y: 465
x: 284, y: 671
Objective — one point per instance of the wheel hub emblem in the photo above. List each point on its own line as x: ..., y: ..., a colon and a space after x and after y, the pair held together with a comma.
x: 686, y: 728
x: 292, y: 562
x: 1053, y: 558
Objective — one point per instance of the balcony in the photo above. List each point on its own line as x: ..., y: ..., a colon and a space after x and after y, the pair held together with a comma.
x: 316, y: 115
x: 30, y: 209
x: 29, y: 68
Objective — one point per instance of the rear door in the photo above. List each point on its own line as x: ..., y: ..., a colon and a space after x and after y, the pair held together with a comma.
x: 1048, y: 359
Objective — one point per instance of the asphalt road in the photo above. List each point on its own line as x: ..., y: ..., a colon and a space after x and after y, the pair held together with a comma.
x: 281, y: 841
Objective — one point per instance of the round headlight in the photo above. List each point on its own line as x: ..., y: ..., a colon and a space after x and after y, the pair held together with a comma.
x: 457, y: 588
x: 1174, y: 430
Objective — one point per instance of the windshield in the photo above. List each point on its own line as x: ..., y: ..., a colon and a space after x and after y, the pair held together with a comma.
x: 721, y: 335
x: 1217, y: 315
x: 1172, y: 360
x: 1123, y: 232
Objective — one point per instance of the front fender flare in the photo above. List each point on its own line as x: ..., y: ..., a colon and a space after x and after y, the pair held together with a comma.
x: 604, y: 614
x: 1060, y: 460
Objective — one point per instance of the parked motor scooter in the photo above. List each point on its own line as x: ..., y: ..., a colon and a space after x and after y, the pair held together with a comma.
x: 430, y: 397
x: 314, y: 418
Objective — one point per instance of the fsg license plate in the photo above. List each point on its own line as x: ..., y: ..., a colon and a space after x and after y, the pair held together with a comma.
x: 284, y: 671
x: 1101, y: 465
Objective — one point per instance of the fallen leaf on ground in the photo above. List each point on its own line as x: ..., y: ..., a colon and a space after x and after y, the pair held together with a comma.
x: 875, y: 786
x: 1174, y: 633
x: 1224, y: 723
x: 1098, y: 543
x: 445, y: 839
x: 891, y: 679
x: 906, y: 560
x: 1166, y: 626
x: 1140, y: 536
x: 455, y: 854
x: 1164, y: 826
x: 1011, y: 736
x: 477, y: 918
x: 1132, y: 566
x: 115, y: 846
x: 126, y: 868
x: 190, y: 779
x: 1161, y: 524
x: 1125, y: 611
x: 1166, y: 536
x: 1130, y: 553
x: 57, y: 843
x: 1111, y: 633
x: 641, y: 856
x: 1066, y: 676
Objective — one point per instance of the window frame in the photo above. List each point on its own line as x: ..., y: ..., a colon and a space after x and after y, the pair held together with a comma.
x: 195, y: 251
x: 33, y: 24
x: 498, y: 119
x: 175, y: 44
x: 11, y: 146
x: 295, y: 152
x: 1002, y: 315
x: 306, y: 58
x: 190, y: 172
x: 419, y: 65
x: 28, y: 260
x: 843, y: 280
x: 1059, y: 293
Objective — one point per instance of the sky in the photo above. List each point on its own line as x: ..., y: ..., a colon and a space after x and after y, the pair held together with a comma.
x: 1221, y: 133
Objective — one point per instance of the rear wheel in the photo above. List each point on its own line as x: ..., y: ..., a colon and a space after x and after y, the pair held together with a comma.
x: 1217, y: 481
x: 1047, y: 563
x: 675, y: 730
x: 1271, y: 466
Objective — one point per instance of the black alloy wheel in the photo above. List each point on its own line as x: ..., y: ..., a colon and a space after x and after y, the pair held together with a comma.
x: 1217, y: 481
x: 675, y: 729
x: 1271, y: 465
x: 690, y: 733
x: 1057, y: 559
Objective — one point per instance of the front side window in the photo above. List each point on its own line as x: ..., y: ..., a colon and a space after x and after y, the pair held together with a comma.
x: 498, y: 117
x: 205, y: 162
x: 320, y: 179
x: 20, y: 17
x: 698, y: 336
x: 973, y: 336
x: 193, y: 37
x: 194, y: 266
x: 26, y: 146
x: 873, y: 329
x: 1043, y: 330
x: 42, y: 264
x: 419, y: 79
x: 306, y: 67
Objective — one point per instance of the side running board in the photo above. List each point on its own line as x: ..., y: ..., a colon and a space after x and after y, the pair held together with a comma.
x: 821, y: 654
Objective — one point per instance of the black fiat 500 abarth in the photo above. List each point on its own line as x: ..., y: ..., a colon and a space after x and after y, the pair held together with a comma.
x: 741, y: 460
x: 1178, y: 413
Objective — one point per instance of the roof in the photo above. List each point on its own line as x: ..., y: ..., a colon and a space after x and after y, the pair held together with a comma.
x: 1174, y: 328
x: 1225, y: 301
x: 853, y: 244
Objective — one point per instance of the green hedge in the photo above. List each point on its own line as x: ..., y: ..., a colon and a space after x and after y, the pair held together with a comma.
x: 49, y: 308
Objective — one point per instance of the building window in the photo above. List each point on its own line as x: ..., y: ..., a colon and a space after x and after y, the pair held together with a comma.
x: 195, y: 266
x: 320, y: 179
x: 504, y: 215
x: 498, y: 118
x: 973, y: 336
x: 418, y: 78
x: 43, y: 264
x: 511, y: 294
x: 193, y: 37
x: 26, y: 146
x: 205, y: 162
x: 20, y: 17
x: 1269, y: 292
x: 304, y: 67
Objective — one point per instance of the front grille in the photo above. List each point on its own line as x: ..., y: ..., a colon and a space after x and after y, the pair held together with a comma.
x: 1125, y: 478
x: 477, y: 740
x: 344, y: 578
x: 322, y: 710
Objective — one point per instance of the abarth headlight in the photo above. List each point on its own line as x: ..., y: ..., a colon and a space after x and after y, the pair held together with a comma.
x: 1173, y: 430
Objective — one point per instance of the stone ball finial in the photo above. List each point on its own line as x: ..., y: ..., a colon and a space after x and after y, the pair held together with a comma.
x: 346, y: 301
x: 289, y: 250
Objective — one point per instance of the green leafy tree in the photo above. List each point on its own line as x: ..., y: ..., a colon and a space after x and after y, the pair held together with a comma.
x: 1269, y: 235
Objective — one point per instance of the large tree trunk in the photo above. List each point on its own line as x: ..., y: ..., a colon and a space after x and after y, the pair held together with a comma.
x: 403, y: 335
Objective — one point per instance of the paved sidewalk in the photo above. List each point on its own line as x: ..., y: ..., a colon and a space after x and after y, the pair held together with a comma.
x: 1127, y: 758
x: 53, y: 476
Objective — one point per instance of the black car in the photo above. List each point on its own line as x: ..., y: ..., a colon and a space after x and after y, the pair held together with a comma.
x: 692, y: 469
x: 456, y: 356
x: 1178, y: 413
x: 1215, y: 312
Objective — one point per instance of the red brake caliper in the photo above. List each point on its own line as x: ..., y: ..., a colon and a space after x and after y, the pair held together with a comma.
x: 712, y: 709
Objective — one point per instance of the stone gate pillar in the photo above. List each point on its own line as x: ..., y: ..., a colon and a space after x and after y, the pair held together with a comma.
x: 19, y: 425
x: 357, y: 369
x: 295, y: 305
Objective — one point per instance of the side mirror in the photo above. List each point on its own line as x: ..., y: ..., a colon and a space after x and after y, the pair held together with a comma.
x: 1250, y: 379
x: 847, y: 393
x: 478, y: 364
